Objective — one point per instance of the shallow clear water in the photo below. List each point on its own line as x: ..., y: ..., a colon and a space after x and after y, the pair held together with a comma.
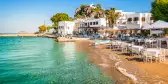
x: 32, y: 60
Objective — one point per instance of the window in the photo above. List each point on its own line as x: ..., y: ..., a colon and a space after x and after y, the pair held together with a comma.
x: 143, y: 19
x: 97, y: 23
x: 124, y: 22
x: 94, y: 23
x: 151, y: 18
x: 136, y: 19
x: 90, y: 23
x: 129, y: 19
x: 85, y: 24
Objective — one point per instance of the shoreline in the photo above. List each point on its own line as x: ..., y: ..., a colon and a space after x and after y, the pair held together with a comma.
x: 116, y: 65
x: 104, y: 62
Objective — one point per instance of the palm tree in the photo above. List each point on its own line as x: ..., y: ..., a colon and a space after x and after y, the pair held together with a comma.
x: 112, y: 16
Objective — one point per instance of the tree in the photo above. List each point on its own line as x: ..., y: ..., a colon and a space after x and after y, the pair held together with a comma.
x: 60, y: 17
x: 86, y: 11
x: 160, y: 10
x: 112, y: 16
x: 49, y: 27
x: 83, y: 11
x: 42, y: 28
x: 166, y: 31
x: 98, y: 12
x: 99, y: 6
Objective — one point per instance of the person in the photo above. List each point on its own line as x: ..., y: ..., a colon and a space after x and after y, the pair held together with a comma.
x: 119, y: 36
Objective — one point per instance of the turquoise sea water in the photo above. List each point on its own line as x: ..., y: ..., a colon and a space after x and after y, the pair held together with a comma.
x: 32, y: 60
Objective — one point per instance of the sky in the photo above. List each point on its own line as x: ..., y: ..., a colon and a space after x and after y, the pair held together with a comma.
x: 28, y: 15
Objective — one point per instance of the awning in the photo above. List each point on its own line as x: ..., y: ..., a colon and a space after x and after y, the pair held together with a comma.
x: 157, y: 31
x: 159, y: 25
x: 146, y: 27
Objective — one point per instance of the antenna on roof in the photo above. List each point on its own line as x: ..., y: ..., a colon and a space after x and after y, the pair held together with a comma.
x: 44, y: 22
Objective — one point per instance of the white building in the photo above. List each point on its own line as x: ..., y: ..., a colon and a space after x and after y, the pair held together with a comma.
x: 132, y: 20
x: 122, y: 20
x: 138, y: 20
x: 66, y: 27
x: 92, y: 24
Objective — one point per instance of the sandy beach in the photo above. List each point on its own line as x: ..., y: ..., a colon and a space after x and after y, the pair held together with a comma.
x: 13, y: 35
x: 145, y: 73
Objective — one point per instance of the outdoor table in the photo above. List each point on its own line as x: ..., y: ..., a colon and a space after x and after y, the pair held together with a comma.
x: 136, y: 49
x: 140, y: 40
x: 152, y: 52
x: 125, y: 46
x: 116, y: 43
x: 150, y: 40
x: 160, y: 40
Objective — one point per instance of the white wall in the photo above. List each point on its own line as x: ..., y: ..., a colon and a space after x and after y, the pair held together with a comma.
x: 138, y: 24
x: 66, y: 27
x: 101, y: 23
x: 122, y: 20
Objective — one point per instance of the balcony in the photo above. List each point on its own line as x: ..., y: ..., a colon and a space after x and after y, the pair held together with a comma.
x: 129, y: 22
x: 137, y: 22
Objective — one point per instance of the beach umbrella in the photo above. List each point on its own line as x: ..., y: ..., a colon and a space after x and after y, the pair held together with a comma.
x: 159, y: 25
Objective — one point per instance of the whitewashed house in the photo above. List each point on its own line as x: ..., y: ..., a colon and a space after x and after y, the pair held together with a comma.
x: 122, y: 20
x: 66, y: 28
x: 92, y: 24
x: 138, y: 20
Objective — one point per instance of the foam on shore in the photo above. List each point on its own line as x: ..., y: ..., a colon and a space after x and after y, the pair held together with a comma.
x: 122, y: 70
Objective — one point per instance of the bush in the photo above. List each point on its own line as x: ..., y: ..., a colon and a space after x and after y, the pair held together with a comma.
x: 165, y: 31
x: 145, y: 32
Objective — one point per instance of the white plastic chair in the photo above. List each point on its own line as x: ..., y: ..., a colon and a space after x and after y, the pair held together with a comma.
x: 162, y: 55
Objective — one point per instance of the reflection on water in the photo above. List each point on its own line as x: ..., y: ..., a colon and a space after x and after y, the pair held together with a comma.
x: 43, y: 61
x: 69, y: 51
